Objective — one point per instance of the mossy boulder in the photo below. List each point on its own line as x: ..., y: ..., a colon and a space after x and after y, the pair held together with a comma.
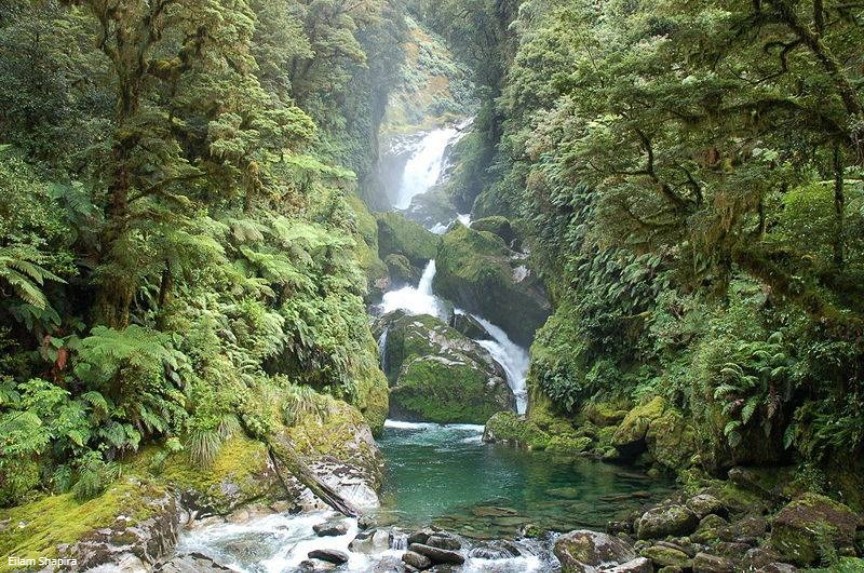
x: 478, y: 272
x: 659, y: 428
x: 509, y: 428
x: 241, y: 473
x: 500, y: 226
x: 439, y: 375
x: 812, y: 528
x: 666, y: 520
x: 583, y: 550
x: 400, y: 236
x: 134, y: 516
x: 400, y: 271
x: 432, y: 209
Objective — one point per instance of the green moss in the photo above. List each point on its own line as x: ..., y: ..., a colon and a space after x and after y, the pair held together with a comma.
x: 36, y: 529
x: 436, y: 390
x: 240, y: 474
x: 398, y: 235
x: 497, y: 225
x: 478, y: 272
x: 814, y: 529
x: 508, y: 427
x: 367, y: 244
x: 373, y: 395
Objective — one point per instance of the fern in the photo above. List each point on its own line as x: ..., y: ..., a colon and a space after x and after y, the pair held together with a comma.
x: 26, y: 278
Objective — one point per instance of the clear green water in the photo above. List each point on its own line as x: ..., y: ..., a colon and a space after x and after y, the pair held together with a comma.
x: 445, y: 475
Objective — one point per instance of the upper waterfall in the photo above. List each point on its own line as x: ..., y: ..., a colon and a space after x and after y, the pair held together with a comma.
x: 426, y: 164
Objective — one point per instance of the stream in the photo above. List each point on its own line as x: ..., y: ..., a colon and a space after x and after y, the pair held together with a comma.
x: 445, y: 475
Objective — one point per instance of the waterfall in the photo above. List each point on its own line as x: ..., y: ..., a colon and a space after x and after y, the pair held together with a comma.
x: 425, y: 166
x: 512, y: 358
x: 419, y: 300
x: 398, y: 540
x: 382, y: 349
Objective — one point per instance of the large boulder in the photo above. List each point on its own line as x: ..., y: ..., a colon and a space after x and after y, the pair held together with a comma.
x: 583, y: 550
x: 500, y: 226
x: 400, y: 236
x: 666, y: 520
x: 480, y: 273
x: 812, y: 527
x: 657, y: 427
x: 438, y: 374
x: 432, y: 209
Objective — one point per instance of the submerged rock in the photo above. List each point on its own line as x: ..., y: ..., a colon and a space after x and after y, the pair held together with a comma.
x: 438, y: 374
x: 582, y: 551
x: 478, y: 272
x: 192, y: 563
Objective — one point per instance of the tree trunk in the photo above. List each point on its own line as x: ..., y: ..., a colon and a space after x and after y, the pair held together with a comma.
x: 839, y: 210
x: 286, y: 459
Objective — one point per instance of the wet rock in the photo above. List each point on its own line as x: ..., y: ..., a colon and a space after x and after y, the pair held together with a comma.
x: 437, y: 555
x: 370, y: 541
x: 668, y: 520
x: 148, y: 540
x: 329, y: 555
x: 316, y: 566
x: 421, y: 535
x: 730, y: 548
x: 705, y: 563
x: 616, y: 527
x: 759, y: 557
x: 401, y: 272
x: 638, y: 565
x: 400, y: 236
x: 680, y: 545
x: 331, y: 529
x: 811, y: 525
x: 663, y: 556
x: 712, y: 521
x: 416, y: 560
x: 444, y: 541
x: 469, y: 326
x: 500, y: 226
x: 670, y: 570
x: 705, y: 504
x: 778, y: 568
x: 749, y: 529
x: 389, y: 564
x: 582, y: 550
x: 192, y: 563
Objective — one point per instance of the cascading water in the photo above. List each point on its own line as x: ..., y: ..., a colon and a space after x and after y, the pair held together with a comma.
x: 419, y: 300
x: 512, y: 357
x: 424, y: 168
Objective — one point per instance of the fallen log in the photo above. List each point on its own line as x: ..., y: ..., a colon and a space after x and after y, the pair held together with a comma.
x: 286, y: 460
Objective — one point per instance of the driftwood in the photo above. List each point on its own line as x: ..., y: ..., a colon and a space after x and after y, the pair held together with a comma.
x: 287, y: 460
